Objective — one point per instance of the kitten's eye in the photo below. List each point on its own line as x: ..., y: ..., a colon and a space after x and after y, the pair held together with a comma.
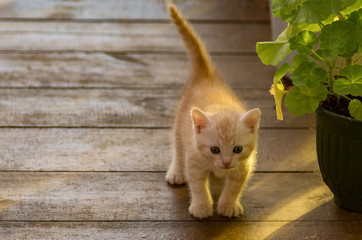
x: 238, y: 149
x: 215, y: 150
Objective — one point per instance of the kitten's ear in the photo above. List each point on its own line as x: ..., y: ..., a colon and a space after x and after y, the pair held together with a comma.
x: 199, y: 119
x: 251, y: 119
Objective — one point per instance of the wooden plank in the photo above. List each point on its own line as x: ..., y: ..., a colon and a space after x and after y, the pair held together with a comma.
x: 199, y: 230
x: 140, y: 9
x: 123, y: 70
x: 136, y: 150
x: 130, y: 108
x: 70, y: 197
x: 116, y: 37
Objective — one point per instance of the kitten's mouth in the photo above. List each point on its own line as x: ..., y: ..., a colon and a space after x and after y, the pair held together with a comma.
x: 227, y: 168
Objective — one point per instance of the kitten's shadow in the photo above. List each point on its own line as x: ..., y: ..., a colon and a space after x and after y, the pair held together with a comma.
x: 180, y: 199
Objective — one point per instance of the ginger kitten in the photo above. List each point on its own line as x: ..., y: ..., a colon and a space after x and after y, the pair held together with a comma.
x: 213, y: 133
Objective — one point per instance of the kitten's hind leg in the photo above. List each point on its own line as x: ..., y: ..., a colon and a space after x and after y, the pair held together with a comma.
x: 175, y: 173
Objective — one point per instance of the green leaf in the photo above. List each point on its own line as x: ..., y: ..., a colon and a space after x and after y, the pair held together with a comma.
x: 313, y: 11
x: 288, y: 8
x: 298, y: 59
x: 303, y: 41
x: 302, y: 100
x: 283, y: 36
x: 339, y: 38
x: 345, y: 12
x: 308, y: 74
x: 272, y: 53
x: 355, y: 109
x: 339, y: 5
x: 356, y: 18
x: 292, y: 30
x: 276, y: 8
x: 355, y: 7
x: 295, y: 29
x: 309, y: 27
x: 352, y: 83
x: 282, y: 70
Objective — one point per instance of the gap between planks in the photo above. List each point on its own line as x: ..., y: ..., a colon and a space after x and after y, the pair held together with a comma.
x: 134, y: 127
x: 110, y: 88
x: 158, y: 52
x: 110, y: 171
x: 231, y: 220
x: 123, y: 20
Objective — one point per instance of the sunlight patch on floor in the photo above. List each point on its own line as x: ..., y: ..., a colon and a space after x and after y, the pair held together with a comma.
x: 297, y: 206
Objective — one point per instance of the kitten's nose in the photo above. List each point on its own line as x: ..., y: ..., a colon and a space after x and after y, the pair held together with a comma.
x: 226, y: 164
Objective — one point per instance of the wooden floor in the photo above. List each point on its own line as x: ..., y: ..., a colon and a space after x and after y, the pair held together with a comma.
x: 87, y: 91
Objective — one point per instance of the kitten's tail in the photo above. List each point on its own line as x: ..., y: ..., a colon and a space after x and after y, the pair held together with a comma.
x: 201, y: 64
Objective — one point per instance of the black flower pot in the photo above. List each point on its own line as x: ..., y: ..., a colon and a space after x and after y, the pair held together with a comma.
x: 339, y: 150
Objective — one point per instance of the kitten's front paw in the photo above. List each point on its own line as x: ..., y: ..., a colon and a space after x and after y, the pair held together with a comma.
x: 201, y: 211
x: 230, y: 210
x: 175, y: 178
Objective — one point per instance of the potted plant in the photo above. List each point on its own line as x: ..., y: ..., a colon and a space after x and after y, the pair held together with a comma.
x: 326, y: 78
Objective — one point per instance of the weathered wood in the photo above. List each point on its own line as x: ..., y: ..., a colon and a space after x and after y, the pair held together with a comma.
x: 136, y: 150
x: 116, y: 37
x: 146, y: 196
x: 196, y: 230
x: 131, y: 108
x: 123, y: 70
x: 120, y: 63
x: 140, y: 9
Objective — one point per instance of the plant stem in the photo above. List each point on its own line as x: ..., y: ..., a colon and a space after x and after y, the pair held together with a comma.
x: 330, y: 77
x: 317, y: 56
x: 342, y: 60
x: 349, y: 61
x: 355, y: 60
x: 340, y: 16
x: 339, y: 96
x: 334, y: 62
x: 331, y: 81
x: 340, y: 65
x: 347, y: 98
x: 288, y: 27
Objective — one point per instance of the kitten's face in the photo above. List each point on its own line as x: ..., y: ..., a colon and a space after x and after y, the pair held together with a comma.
x: 226, y: 138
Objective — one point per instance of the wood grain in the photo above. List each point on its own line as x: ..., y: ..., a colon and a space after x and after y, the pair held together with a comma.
x: 123, y: 70
x: 195, y: 230
x: 146, y: 196
x: 87, y: 92
x: 135, y: 9
x: 120, y: 108
x: 118, y: 37
x: 136, y: 150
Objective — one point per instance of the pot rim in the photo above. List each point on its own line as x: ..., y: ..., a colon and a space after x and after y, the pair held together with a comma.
x: 338, y: 115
